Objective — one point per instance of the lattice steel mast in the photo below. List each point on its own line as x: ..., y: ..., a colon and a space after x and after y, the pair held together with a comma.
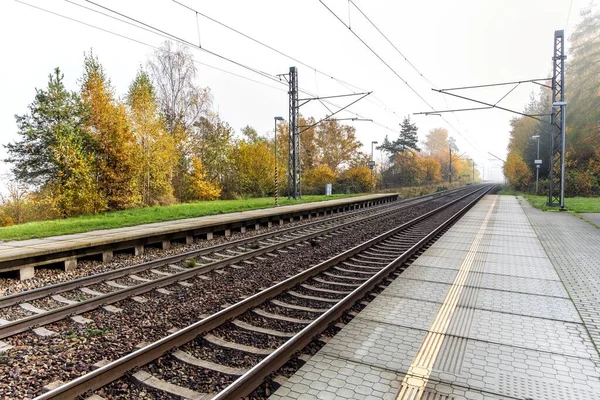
x: 556, y: 183
x: 294, y: 139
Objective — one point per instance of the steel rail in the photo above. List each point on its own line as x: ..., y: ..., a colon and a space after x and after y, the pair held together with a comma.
x: 59, y: 313
x: 248, y: 382
x: 117, y: 368
x: 13, y: 299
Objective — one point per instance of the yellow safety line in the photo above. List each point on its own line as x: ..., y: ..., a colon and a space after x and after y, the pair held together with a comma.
x: 421, y: 367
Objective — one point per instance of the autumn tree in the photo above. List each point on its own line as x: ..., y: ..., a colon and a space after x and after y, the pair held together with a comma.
x: 212, y: 141
x: 200, y: 185
x: 158, y: 152
x: 54, y: 155
x: 436, y: 141
x: 405, y: 170
x: 254, y: 165
x: 316, y: 178
x: 583, y: 89
x: 357, y: 179
x: 432, y: 170
x: 336, y: 144
x: 516, y: 171
x: 117, y: 156
x: 182, y: 104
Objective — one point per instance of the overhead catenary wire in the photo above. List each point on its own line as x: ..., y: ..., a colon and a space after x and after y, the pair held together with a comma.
x: 188, y: 43
x: 396, y: 73
x: 172, y: 37
x: 138, y: 41
x: 418, y: 72
x: 341, y: 82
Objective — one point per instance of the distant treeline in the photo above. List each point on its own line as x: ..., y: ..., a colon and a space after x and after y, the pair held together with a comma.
x: 90, y: 151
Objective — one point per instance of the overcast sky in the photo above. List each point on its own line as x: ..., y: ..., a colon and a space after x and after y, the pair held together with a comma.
x: 451, y: 43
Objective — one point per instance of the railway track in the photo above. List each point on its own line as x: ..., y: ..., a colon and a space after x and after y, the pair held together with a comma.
x: 261, y: 333
x: 88, y: 293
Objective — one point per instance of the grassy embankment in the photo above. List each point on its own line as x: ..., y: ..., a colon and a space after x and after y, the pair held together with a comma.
x: 577, y: 205
x: 138, y: 216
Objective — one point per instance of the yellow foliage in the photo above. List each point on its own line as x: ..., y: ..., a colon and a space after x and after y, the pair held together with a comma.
x: 201, y: 187
x: 357, y: 179
x: 255, y: 167
x: 318, y: 176
x: 158, y: 149
x: 117, y: 154
x: 516, y: 171
x: 432, y: 170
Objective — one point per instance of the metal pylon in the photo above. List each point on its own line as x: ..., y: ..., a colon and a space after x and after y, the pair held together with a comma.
x: 557, y: 157
x: 294, y: 139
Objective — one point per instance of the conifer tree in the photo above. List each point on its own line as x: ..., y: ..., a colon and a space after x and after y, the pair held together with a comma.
x: 54, y: 155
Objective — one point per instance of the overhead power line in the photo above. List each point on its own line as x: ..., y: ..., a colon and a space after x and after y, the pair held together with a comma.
x: 181, y: 40
x: 188, y: 43
x: 343, y: 83
x: 394, y: 71
x: 376, y: 54
x: 139, y: 41
x: 420, y: 74
x: 171, y: 37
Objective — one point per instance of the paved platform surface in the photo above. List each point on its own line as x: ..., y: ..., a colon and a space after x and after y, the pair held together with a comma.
x: 35, y: 247
x: 487, y: 312
x: 594, y: 218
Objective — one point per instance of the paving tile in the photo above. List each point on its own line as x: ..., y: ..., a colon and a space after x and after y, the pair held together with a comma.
x: 513, y: 331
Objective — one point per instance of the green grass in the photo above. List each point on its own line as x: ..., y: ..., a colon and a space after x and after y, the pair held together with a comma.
x: 576, y: 205
x: 118, y: 219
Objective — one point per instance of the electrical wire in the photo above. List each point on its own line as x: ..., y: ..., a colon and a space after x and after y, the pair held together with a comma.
x: 341, y: 82
x: 416, y: 70
x: 174, y: 37
x: 139, y: 41
x: 169, y: 36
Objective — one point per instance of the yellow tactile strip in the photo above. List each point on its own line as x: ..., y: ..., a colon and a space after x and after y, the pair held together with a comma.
x: 415, y: 382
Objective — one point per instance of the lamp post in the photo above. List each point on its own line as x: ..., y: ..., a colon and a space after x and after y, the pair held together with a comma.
x: 372, y: 163
x: 276, y: 178
x: 537, y: 163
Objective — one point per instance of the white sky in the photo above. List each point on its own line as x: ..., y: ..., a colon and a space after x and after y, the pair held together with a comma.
x: 452, y: 43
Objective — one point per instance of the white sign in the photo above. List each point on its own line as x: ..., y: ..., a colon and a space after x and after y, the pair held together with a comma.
x: 328, y: 189
x: 538, y: 161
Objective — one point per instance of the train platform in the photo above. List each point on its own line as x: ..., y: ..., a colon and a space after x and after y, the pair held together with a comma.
x: 505, y: 305
x: 25, y: 255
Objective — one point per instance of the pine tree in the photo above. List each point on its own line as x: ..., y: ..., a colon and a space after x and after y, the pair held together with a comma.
x: 407, y: 140
x: 54, y: 155
x: 408, y: 136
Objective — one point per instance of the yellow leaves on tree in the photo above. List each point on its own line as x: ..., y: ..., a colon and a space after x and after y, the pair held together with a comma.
x: 117, y: 156
x: 516, y: 171
x: 357, y: 179
x: 337, y: 143
x: 432, y: 170
x: 74, y: 191
x: 201, y: 187
x: 158, y: 149
x: 254, y: 165
x: 318, y: 177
